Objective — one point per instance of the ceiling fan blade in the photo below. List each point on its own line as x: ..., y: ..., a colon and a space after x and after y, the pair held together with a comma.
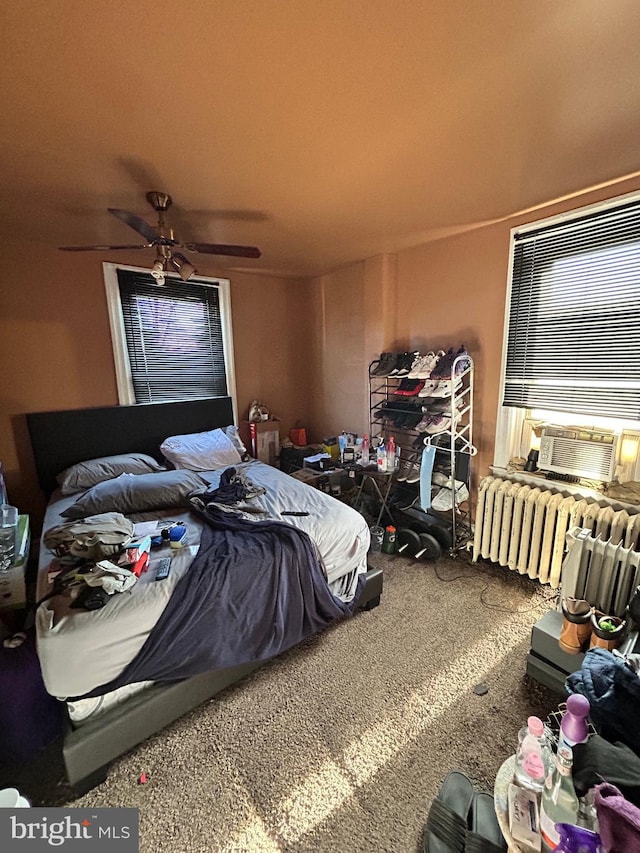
x: 102, y: 248
x: 137, y: 223
x: 220, y: 249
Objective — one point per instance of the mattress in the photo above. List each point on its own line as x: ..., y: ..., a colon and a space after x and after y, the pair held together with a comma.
x: 80, y: 650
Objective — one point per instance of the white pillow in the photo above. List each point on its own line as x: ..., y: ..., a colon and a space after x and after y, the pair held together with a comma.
x: 232, y: 433
x: 200, y: 451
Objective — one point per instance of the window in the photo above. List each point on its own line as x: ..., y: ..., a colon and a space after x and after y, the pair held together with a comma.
x: 572, y: 334
x: 171, y: 342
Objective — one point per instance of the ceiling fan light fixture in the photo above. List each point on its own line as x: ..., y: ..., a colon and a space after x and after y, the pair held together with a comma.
x: 182, y: 266
x: 157, y: 271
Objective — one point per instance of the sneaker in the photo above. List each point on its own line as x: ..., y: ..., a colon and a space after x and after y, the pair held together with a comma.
x: 415, y: 367
x: 412, y: 420
x: 401, y: 358
x: 429, y: 363
x: 416, y: 389
x: 437, y: 423
x: 409, y: 387
x: 386, y: 361
x: 429, y: 386
x: 442, y: 369
x: 440, y: 479
x: 411, y: 502
x: 404, y: 470
x: 441, y: 406
x: 445, y: 387
x: 448, y: 497
x: 413, y: 475
x: 462, y: 361
x: 405, y: 368
x: 419, y: 442
x: 445, y: 367
x: 422, y: 366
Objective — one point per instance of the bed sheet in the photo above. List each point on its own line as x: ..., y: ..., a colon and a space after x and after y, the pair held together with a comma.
x: 80, y: 650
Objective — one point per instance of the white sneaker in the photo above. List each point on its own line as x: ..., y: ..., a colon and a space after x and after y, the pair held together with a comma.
x: 418, y: 361
x: 424, y: 366
x: 444, y: 389
x: 429, y: 387
x: 444, y: 500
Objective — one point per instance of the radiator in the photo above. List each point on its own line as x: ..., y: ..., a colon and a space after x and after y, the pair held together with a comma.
x: 603, y: 572
x: 524, y: 527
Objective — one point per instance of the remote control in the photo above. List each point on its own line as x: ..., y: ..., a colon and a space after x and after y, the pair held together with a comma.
x: 164, y: 567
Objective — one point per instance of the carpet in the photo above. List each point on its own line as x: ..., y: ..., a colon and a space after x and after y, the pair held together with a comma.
x: 341, y: 743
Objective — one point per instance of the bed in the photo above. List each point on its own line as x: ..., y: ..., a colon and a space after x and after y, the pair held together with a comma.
x: 95, y: 661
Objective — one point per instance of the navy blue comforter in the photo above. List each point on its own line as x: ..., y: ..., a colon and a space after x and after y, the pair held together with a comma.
x: 254, y: 589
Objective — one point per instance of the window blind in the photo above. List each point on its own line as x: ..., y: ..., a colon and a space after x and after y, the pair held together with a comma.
x: 574, y: 317
x: 174, y: 338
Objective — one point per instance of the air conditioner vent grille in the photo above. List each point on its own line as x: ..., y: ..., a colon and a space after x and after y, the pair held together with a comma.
x: 592, y: 460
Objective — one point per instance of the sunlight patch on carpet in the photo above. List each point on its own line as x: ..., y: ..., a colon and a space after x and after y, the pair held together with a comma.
x: 326, y: 789
x: 252, y: 835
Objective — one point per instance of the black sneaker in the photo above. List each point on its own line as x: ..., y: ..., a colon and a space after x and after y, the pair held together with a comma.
x: 399, y: 362
x: 442, y: 370
x: 407, y: 364
x: 412, y: 420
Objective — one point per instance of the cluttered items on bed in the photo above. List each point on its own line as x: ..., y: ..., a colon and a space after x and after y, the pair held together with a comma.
x: 94, y: 558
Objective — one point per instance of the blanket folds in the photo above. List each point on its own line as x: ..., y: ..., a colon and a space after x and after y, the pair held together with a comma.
x: 254, y: 590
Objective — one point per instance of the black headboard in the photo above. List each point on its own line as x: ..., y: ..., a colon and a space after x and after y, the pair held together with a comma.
x: 60, y: 439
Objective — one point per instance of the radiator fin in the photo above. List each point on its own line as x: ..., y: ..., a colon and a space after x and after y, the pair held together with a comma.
x: 525, y: 527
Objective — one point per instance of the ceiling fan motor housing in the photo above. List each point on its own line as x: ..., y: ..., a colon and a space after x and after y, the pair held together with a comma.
x: 159, y: 201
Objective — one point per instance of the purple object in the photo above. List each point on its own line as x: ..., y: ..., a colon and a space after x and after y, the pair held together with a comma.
x: 577, y: 839
x: 573, y: 726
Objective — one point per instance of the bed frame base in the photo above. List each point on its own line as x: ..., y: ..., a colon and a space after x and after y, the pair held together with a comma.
x: 89, y: 749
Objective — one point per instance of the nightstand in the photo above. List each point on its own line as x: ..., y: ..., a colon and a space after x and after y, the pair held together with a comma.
x: 13, y: 585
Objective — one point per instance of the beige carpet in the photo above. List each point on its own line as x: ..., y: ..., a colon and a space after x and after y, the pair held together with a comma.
x: 341, y: 744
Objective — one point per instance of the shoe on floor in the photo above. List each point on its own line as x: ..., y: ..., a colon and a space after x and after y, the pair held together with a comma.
x: 448, y: 820
x: 484, y: 834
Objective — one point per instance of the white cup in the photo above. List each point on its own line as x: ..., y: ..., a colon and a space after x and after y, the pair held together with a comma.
x: 10, y: 798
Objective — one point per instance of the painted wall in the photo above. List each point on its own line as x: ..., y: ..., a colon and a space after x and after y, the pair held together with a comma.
x: 435, y: 295
x: 302, y: 347
x: 55, y: 346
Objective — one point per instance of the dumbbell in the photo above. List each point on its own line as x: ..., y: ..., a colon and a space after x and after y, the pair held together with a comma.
x: 430, y: 548
x: 408, y: 542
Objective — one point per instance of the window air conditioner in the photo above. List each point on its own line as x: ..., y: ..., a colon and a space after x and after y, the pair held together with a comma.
x: 589, y: 454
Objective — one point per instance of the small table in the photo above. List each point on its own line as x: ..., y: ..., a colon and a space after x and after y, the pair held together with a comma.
x: 501, y: 802
x: 375, y: 477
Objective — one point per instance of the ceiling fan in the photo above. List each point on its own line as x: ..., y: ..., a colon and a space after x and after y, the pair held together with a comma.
x: 164, y: 240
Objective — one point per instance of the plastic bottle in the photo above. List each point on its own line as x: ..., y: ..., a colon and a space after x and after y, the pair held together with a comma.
x: 365, y: 449
x: 389, y: 541
x: 574, y: 838
x: 533, y: 756
x: 391, y: 454
x: 381, y: 457
x: 573, y: 726
x: 559, y: 803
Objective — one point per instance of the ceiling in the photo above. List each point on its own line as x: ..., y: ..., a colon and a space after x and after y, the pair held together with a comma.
x: 322, y: 131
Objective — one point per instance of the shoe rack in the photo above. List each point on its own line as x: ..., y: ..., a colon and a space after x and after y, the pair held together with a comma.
x: 425, y: 416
